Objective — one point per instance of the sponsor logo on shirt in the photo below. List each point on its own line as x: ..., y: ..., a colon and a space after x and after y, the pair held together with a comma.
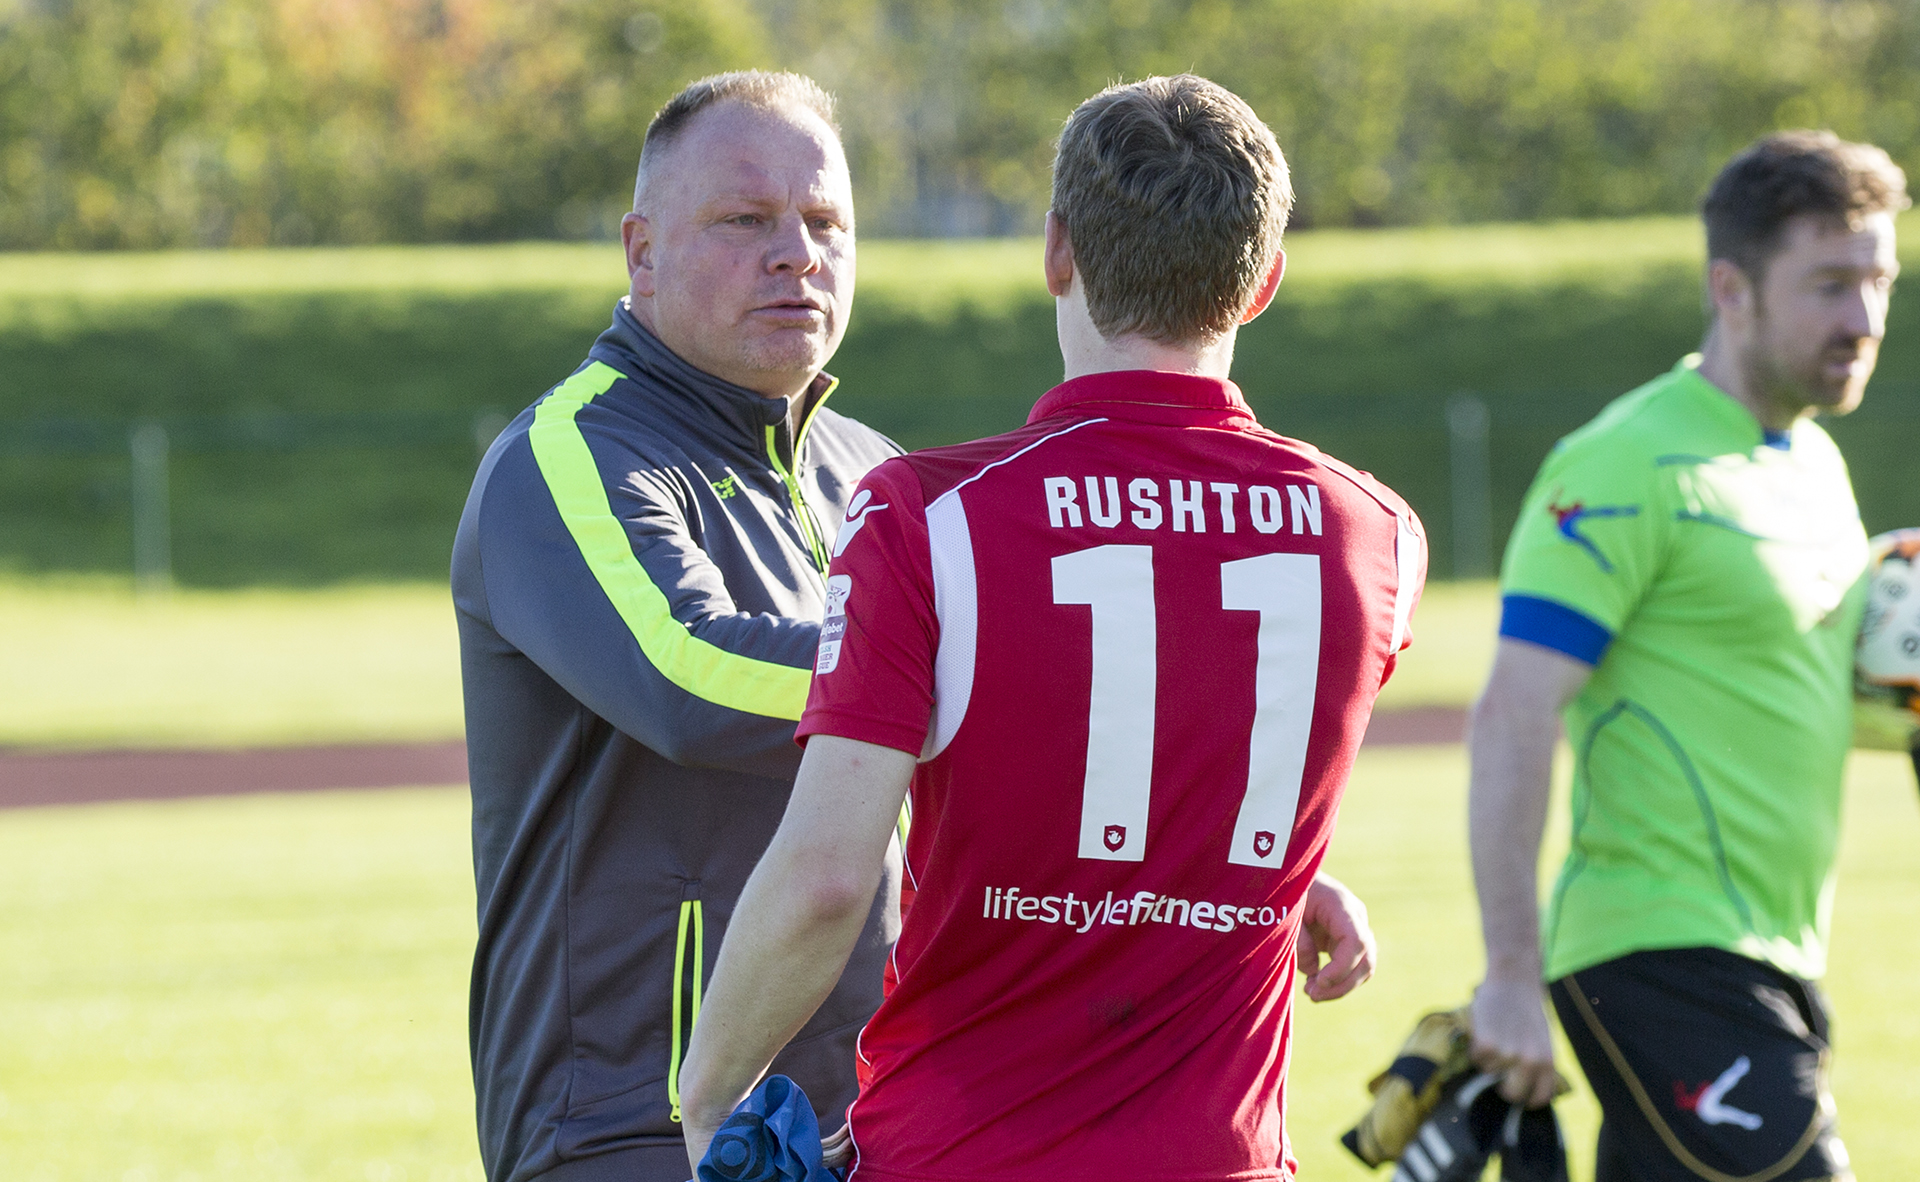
x: 1083, y: 915
x: 1189, y: 505
x: 1569, y: 518
x: 727, y: 487
x: 1708, y: 1100
x: 833, y: 629
x: 857, y: 514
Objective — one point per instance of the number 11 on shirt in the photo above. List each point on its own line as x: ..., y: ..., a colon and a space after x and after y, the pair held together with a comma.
x: 1117, y: 583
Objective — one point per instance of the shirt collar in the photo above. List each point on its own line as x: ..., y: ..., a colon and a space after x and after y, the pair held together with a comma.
x: 640, y: 353
x: 1143, y: 387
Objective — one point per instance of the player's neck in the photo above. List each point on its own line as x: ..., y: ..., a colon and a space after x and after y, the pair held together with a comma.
x: 1085, y: 351
x: 1721, y: 364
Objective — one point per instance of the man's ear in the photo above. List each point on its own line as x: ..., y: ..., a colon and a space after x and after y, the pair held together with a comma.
x: 1268, y: 286
x: 636, y: 235
x: 1729, y: 289
x: 1058, y: 259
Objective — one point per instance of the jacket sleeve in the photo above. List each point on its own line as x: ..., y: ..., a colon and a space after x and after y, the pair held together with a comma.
x: 609, y: 594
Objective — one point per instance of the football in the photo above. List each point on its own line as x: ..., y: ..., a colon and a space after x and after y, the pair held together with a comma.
x: 1887, y: 662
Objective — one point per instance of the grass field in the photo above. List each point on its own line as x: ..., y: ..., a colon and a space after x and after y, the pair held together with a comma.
x: 263, y: 988
x: 274, y: 987
x: 84, y: 662
x: 324, y: 402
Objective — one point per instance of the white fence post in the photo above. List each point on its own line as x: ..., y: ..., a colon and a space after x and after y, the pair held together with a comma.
x: 1471, y: 460
x: 152, y: 527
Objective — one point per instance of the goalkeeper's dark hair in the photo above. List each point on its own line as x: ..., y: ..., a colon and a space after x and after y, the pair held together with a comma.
x: 1789, y: 174
x: 762, y: 89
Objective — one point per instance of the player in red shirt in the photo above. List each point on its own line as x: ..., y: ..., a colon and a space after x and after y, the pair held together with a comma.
x: 1124, y: 656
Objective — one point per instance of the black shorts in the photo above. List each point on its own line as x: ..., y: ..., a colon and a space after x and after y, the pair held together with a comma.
x: 1706, y: 1064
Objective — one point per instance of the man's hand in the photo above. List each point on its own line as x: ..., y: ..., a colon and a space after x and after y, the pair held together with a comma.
x: 1510, y: 1035
x: 1333, y: 922
x: 698, y: 1128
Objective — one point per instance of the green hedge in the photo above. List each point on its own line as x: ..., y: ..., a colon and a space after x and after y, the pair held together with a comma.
x: 323, y: 404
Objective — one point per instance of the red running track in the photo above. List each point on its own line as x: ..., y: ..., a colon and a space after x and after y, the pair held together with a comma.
x: 29, y: 778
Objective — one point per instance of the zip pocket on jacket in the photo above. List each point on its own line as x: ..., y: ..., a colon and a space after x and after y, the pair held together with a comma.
x: 689, y: 963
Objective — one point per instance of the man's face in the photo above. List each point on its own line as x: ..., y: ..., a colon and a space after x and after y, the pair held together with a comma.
x: 741, y: 253
x: 1819, y: 313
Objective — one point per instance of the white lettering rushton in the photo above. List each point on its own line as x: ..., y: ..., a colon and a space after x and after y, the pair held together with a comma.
x: 1184, y: 505
x: 1148, y: 907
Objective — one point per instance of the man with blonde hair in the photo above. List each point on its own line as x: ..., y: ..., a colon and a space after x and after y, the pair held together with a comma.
x: 640, y: 575
x: 1123, y: 658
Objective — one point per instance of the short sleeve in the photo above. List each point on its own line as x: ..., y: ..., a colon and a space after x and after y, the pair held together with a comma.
x: 873, y: 676
x: 1588, y: 545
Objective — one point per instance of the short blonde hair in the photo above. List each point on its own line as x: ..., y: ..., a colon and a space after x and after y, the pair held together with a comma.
x: 763, y: 89
x: 1174, y: 195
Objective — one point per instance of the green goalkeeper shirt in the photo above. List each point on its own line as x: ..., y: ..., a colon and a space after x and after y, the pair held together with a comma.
x: 1709, y: 571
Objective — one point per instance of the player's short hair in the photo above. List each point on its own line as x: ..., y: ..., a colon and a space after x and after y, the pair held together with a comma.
x: 1789, y: 173
x: 762, y: 89
x: 1174, y: 195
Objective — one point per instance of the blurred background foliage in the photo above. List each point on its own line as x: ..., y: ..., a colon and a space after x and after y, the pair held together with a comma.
x: 324, y: 406
x: 209, y: 123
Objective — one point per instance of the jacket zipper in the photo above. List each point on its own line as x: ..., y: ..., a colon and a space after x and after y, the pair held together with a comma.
x: 809, y: 525
x: 690, y: 918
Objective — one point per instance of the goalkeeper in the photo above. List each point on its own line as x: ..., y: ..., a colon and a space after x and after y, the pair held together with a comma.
x: 1684, y: 583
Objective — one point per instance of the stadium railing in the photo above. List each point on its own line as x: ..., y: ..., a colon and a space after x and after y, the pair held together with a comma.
x: 1462, y: 460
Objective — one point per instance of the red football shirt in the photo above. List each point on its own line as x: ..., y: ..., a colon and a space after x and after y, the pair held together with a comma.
x: 1135, y: 645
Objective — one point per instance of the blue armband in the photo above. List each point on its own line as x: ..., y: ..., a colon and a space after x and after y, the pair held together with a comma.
x: 1555, y: 626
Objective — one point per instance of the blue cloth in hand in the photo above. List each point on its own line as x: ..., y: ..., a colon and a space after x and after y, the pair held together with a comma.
x: 772, y: 1136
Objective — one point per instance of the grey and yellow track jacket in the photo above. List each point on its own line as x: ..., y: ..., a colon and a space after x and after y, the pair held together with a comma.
x: 638, y: 580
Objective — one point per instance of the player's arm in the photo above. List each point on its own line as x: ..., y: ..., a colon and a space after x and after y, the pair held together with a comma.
x: 1515, y: 726
x: 1333, y: 923
x: 1593, y: 536
x: 797, y: 921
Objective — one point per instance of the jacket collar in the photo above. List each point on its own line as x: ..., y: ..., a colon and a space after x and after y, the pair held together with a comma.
x: 1143, y: 388
x: 629, y: 347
